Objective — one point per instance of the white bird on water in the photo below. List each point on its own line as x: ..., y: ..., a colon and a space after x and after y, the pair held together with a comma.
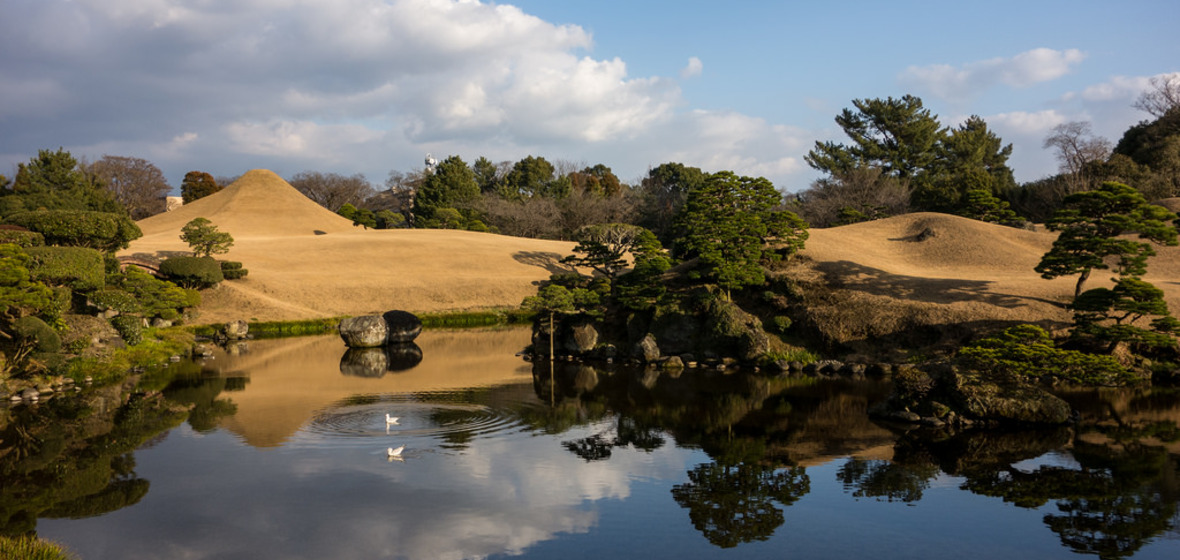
x: 395, y: 453
x: 391, y: 419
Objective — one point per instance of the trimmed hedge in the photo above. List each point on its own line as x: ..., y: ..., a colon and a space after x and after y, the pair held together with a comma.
x: 232, y: 270
x: 22, y: 237
x: 129, y: 327
x: 105, y: 231
x: 38, y: 331
x: 78, y: 268
x: 192, y: 272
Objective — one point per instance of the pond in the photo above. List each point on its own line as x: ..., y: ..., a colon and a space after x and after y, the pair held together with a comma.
x: 280, y: 449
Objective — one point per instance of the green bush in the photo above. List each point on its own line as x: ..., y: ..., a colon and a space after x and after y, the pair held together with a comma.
x: 232, y: 270
x: 781, y: 323
x: 61, y: 302
x: 192, y: 272
x: 22, y: 237
x: 78, y: 268
x: 38, y: 332
x: 155, y: 297
x: 105, y: 231
x: 116, y: 299
x: 129, y: 327
x: 1028, y: 351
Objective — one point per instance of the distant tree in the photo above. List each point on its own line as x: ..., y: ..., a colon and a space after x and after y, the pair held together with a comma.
x: 732, y: 223
x: 54, y: 180
x: 1162, y: 97
x: 538, y: 218
x: 197, y: 185
x: 1092, y: 227
x: 333, y: 190
x: 898, y: 136
x: 452, y: 185
x: 969, y: 154
x: 978, y: 201
x: 410, y: 181
x: 534, y: 177
x: 597, y: 180
x: 487, y: 175
x: 388, y: 219
x: 662, y: 194
x: 204, y: 239
x: 859, y: 194
x: 136, y: 183
x: 1076, y: 148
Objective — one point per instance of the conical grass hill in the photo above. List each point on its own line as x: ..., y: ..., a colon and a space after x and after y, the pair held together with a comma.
x: 307, y: 262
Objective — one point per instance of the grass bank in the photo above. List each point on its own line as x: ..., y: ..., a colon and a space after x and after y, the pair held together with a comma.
x: 443, y: 320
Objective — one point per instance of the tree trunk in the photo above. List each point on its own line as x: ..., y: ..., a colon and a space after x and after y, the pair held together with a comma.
x: 1077, y: 291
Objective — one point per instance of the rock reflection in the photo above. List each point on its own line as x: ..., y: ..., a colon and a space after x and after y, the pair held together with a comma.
x: 376, y: 362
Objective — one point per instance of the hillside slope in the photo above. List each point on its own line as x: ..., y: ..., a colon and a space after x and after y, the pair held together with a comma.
x: 307, y: 262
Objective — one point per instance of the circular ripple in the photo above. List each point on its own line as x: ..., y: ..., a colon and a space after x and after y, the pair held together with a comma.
x: 447, y: 421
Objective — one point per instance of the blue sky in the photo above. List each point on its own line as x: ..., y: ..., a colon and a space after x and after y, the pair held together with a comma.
x: 370, y: 86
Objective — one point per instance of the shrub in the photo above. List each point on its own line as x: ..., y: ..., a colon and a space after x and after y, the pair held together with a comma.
x: 78, y: 268
x: 116, y: 299
x: 38, y: 333
x: 130, y: 328
x: 232, y: 270
x: 781, y: 323
x: 59, y: 303
x: 157, y: 298
x: 1028, y: 351
x: 105, y: 231
x: 21, y: 237
x: 192, y: 272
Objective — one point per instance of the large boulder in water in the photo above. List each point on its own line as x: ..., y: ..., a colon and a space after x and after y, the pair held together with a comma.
x: 403, y: 326
x: 368, y: 331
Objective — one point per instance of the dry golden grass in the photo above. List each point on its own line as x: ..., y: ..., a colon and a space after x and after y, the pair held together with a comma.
x: 864, y: 280
x: 949, y: 275
x: 307, y: 262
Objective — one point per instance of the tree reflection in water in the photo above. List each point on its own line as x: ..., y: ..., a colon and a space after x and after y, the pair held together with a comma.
x: 1119, y: 490
x: 72, y: 457
x: 746, y: 423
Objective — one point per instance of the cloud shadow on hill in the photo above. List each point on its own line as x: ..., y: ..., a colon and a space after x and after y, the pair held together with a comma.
x: 854, y: 276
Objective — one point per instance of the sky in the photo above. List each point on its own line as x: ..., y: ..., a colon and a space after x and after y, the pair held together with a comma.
x: 373, y: 86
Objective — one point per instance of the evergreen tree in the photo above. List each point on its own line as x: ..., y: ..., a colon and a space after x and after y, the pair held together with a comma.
x: 197, y: 185
x: 1091, y: 224
x: 452, y: 185
x: 730, y: 222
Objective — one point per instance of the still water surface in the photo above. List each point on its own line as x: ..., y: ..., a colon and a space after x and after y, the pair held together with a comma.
x: 284, y: 455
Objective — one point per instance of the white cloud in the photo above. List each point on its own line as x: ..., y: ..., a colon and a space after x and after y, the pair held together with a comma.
x: 1020, y: 71
x: 693, y: 68
x: 1026, y: 123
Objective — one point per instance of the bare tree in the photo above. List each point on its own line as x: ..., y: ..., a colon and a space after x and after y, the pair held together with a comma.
x: 136, y: 183
x: 536, y: 217
x: 860, y: 191
x: 1163, y: 96
x: 1076, y: 147
x: 332, y: 190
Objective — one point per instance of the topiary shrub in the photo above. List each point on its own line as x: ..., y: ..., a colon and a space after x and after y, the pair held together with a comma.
x: 1028, y: 351
x: 781, y: 323
x: 78, y: 268
x: 38, y: 333
x: 192, y: 272
x: 155, y: 297
x: 105, y: 231
x: 129, y: 327
x: 232, y: 270
x: 21, y: 236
